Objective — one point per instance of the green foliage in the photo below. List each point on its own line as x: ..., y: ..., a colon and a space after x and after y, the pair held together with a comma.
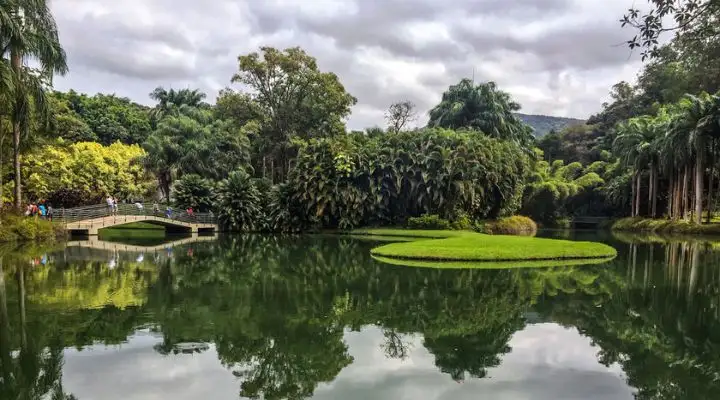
x: 189, y: 141
x: 84, y: 172
x: 292, y: 98
x: 639, y: 224
x: 515, y: 225
x: 13, y: 227
x: 428, y: 222
x: 556, y: 190
x: 238, y: 203
x: 108, y: 117
x: 193, y: 191
x: 484, y: 108
x: 574, y: 143
x: 354, y: 181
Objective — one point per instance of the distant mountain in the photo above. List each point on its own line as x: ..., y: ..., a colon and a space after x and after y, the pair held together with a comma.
x: 545, y: 123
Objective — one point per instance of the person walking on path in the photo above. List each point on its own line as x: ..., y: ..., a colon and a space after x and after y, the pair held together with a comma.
x: 115, y: 205
x: 42, y: 210
x: 109, y: 201
x: 50, y: 212
x: 156, y: 208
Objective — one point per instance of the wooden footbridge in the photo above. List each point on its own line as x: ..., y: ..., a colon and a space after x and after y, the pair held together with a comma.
x: 90, y: 219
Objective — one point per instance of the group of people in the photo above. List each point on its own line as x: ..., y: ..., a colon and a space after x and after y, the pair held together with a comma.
x: 40, y: 209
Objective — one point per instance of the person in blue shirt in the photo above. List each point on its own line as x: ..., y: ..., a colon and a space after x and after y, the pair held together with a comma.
x: 43, y: 210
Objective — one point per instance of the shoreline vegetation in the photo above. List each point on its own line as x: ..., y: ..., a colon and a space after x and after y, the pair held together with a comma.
x: 461, y: 248
x: 649, y: 225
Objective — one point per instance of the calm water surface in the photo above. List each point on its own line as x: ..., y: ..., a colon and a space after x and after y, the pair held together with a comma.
x: 316, y: 317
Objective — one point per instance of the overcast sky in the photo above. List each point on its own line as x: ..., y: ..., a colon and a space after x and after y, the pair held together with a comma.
x: 556, y: 57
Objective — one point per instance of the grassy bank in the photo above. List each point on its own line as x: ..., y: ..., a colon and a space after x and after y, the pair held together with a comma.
x: 665, y: 226
x: 463, y: 246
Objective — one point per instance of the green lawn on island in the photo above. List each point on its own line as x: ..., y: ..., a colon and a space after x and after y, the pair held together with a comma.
x: 461, y: 246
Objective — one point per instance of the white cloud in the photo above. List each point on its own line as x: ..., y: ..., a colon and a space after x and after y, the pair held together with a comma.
x: 556, y: 57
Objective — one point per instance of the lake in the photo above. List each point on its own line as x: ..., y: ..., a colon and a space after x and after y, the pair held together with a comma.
x: 253, y: 316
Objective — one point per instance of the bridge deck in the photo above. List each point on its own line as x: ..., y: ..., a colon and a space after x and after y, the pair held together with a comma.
x: 91, y: 219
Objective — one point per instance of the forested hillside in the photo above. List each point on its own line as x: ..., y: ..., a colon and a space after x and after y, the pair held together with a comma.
x: 543, y: 124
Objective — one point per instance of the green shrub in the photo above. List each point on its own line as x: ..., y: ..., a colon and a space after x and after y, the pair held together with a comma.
x: 193, y: 191
x: 239, y: 203
x: 15, y: 227
x: 428, y: 221
x: 461, y: 223
x: 26, y: 228
x: 7, y: 234
x: 44, y: 230
x: 515, y: 225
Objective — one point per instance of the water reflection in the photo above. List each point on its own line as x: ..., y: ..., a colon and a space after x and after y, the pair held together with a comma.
x: 302, y: 317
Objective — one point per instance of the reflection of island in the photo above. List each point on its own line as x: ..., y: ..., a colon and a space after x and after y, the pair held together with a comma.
x: 277, y: 310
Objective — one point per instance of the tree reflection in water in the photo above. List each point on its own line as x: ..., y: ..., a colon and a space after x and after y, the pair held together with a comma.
x: 277, y: 310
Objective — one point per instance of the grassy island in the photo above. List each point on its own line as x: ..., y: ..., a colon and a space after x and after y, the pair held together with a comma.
x: 462, y: 247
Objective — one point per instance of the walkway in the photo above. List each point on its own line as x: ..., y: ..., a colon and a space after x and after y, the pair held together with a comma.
x: 91, y: 219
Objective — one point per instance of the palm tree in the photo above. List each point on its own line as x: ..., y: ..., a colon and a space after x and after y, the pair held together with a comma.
x: 29, y: 34
x: 170, y: 100
x: 635, y: 146
x: 483, y: 107
x: 697, y: 125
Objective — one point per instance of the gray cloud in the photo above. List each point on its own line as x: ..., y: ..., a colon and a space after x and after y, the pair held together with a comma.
x: 554, y: 56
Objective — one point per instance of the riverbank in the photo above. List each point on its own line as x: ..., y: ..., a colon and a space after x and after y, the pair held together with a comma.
x: 465, y: 246
x: 647, y: 225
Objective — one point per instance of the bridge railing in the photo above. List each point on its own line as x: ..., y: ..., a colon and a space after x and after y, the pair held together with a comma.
x: 78, y: 214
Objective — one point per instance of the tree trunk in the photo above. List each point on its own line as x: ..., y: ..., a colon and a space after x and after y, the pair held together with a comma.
x: 2, y: 148
x: 16, y: 63
x: 671, y: 194
x: 699, y: 177
x: 710, y: 205
x: 632, y: 195
x: 685, y: 194
x: 638, y: 186
x: 651, y: 189
x: 678, y: 195
x: 656, y: 182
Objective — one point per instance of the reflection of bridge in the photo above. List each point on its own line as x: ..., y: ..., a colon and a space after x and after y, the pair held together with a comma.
x: 91, y: 219
x: 95, y: 243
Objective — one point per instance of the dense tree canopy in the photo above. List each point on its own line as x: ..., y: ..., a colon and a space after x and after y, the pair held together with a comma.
x: 85, y: 173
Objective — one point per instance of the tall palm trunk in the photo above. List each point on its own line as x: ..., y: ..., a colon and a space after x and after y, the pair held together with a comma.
x: 651, y: 191
x: 671, y: 195
x: 678, y: 195
x: 656, y: 181
x: 685, y: 193
x: 16, y: 63
x: 2, y: 149
x: 710, y: 205
x: 699, y: 177
x: 637, y: 194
